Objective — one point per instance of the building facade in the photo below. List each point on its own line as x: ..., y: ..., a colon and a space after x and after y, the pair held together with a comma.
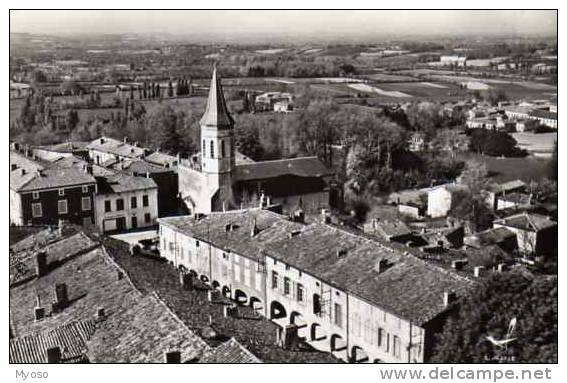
x: 290, y: 272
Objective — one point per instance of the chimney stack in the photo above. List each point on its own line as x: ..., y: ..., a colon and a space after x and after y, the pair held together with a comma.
x: 381, y: 265
x: 89, y: 169
x: 125, y: 139
x: 299, y: 216
x: 478, y: 271
x: 41, y: 263
x: 13, y: 167
x: 458, y: 264
x: 61, y: 295
x: 502, y: 267
x: 448, y: 298
x: 100, y: 313
x: 23, y: 172
x: 39, y: 313
x: 325, y: 216
x: 255, y: 230
x: 173, y: 357
x: 53, y: 355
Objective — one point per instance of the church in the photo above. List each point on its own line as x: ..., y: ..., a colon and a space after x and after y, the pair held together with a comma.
x: 220, y: 178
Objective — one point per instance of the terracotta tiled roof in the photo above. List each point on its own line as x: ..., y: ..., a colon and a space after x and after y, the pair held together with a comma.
x: 410, y: 288
x: 71, y: 338
x: 216, y: 112
x: 302, y: 166
x: 230, y: 352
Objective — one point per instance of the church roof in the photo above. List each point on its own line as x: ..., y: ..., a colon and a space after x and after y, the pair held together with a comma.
x: 302, y: 166
x: 216, y: 113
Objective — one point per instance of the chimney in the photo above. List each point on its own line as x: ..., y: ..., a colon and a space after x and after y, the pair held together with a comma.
x: 341, y: 253
x: 230, y: 311
x: 478, y: 271
x: 39, y: 172
x: 120, y: 275
x: 448, y: 298
x: 502, y: 267
x: 23, y: 172
x: 325, y: 216
x: 125, y: 139
x: 39, y: 313
x: 186, y: 280
x: 255, y: 229
x: 299, y: 216
x: 102, y: 140
x: 294, y: 233
x: 53, y: 355
x: 61, y: 296
x: 381, y: 265
x: 458, y: 264
x: 100, y: 314
x: 89, y: 169
x: 41, y: 263
x: 263, y: 200
x: 173, y: 357
x: 13, y: 167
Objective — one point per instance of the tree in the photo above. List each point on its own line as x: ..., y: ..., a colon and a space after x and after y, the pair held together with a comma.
x: 488, y: 310
x: 449, y: 140
x: 494, y: 143
x: 553, y: 165
x: 471, y: 203
x: 165, y: 122
x: 71, y: 119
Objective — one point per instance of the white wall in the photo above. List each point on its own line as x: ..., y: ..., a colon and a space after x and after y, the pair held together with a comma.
x: 139, y: 212
x: 16, y: 213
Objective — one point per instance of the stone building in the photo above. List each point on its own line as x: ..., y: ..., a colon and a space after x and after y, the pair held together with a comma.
x: 359, y: 298
x: 216, y: 181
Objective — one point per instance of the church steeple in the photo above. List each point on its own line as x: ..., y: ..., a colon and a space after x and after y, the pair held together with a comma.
x: 217, y: 142
x: 216, y: 113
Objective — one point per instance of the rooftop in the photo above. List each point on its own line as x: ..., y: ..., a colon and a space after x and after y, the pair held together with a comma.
x: 120, y: 148
x: 162, y: 159
x: 216, y: 113
x: 527, y: 221
x: 302, y: 166
x: 29, y: 175
x: 121, y: 183
x: 410, y: 288
x: 230, y: 351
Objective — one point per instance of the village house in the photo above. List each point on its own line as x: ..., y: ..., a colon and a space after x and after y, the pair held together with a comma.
x: 124, y: 202
x: 441, y: 199
x: 536, y: 234
x: 499, y: 236
x: 500, y: 189
x: 217, y: 182
x: 412, y: 209
x: 355, y: 297
x: 105, y: 150
x: 42, y: 194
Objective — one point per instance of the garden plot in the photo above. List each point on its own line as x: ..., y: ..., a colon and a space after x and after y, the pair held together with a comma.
x: 381, y: 92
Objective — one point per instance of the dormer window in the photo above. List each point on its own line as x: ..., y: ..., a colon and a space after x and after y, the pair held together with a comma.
x: 35, y: 195
x: 61, y: 192
x: 212, y: 149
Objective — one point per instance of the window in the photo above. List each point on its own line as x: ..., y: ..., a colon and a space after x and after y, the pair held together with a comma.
x: 223, y: 149
x: 119, y: 204
x: 387, y: 342
x: 300, y: 292
x: 274, y: 280
x: 107, y: 206
x: 85, y: 189
x: 204, y: 147
x: 338, y: 315
x: 286, y: 286
x: 148, y: 217
x: 316, y: 304
x: 287, y: 267
x: 380, y: 336
x: 196, y: 243
x: 212, y: 149
x: 35, y: 195
x: 133, y: 202
x: 145, y: 200
x: 134, y: 222
x: 396, y: 346
x: 61, y: 192
x: 36, y: 210
x: 86, y: 203
x: 225, y: 256
x: 62, y: 206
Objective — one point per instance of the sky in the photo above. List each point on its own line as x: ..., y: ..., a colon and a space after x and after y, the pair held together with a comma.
x: 287, y: 23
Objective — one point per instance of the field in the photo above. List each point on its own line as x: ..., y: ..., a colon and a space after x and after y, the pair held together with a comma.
x: 506, y: 169
x: 540, y: 145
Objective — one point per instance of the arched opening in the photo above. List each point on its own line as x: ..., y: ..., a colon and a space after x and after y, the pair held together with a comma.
x: 193, y: 273
x: 204, y: 278
x: 317, y: 333
x: 277, y: 310
x: 297, y: 319
x: 215, y: 285
x: 358, y: 355
x: 316, y: 304
x: 240, y: 297
x: 225, y: 291
x: 256, y: 303
x: 337, y: 343
x: 182, y: 268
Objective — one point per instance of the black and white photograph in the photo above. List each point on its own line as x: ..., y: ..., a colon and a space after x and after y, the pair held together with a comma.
x: 290, y: 186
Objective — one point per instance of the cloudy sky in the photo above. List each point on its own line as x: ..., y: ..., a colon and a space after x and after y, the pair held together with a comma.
x: 346, y: 23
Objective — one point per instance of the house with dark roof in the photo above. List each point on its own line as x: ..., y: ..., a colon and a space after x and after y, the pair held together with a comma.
x: 362, y: 299
x: 536, y: 234
x: 442, y: 199
x: 498, y: 236
x: 109, y: 149
x: 218, y: 182
x: 41, y: 194
x: 70, y: 302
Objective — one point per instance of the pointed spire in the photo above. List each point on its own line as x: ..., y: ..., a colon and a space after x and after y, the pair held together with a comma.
x: 216, y: 113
